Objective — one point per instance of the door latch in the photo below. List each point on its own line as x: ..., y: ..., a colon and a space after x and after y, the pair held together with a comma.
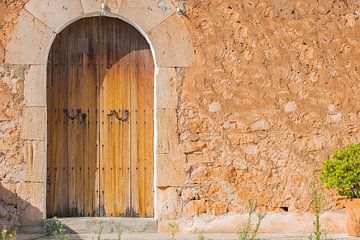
x: 124, y: 117
x: 79, y: 113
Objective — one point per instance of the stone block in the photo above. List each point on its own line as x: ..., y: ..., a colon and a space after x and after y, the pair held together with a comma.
x: 32, y: 196
x: 168, y: 202
x: 90, y: 225
x: 91, y: 6
x: 55, y: 14
x: 34, y: 123
x: 166, y: 94
x: 170, y: 169
x: 29, y: 41
x: 172, y: 43
x: 146, y: 14
x: 35, y: 161
x: 166, y: 130
x: 35, y: 86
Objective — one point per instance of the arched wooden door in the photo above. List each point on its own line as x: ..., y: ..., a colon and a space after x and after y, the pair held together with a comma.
x: 100, y: 78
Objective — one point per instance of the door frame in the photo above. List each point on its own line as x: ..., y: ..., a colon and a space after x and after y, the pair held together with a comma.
x: 172, y: 51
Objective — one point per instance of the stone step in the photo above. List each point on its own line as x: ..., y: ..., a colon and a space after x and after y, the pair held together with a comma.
x: 93, y: 225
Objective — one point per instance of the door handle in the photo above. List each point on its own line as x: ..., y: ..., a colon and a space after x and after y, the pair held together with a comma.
x: 123, y: 118
x: 78, y: 114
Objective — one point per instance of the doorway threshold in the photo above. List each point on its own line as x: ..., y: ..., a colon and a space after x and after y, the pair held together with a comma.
x: 93, y: 225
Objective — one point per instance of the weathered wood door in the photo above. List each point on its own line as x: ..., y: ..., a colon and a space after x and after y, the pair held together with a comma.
x: 100, y: 92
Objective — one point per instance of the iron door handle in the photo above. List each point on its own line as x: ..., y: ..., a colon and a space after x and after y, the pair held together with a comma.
x: 78, y: 114
x: 123, y: 118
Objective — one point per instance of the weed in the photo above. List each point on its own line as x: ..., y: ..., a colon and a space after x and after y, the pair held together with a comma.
x: 318, y: 232
x: 100, y: 232
x: 56, y: 229
x: 12, y: 235
x: 174, y: 228
x: 3, y: 234
x: 248, y: 232
x: 202, y: 237
x: 119, y: 232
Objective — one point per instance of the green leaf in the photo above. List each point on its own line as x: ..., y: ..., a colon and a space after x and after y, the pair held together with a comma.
x: 342, y: 171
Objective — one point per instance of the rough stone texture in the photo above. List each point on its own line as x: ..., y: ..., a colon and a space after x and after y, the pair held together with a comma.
x: 12, y: 173
x: 273, y: 89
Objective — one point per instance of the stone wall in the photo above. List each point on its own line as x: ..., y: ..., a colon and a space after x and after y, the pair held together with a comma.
x: 272, y: 91
x: 17, y: 193
x: 11, y: 160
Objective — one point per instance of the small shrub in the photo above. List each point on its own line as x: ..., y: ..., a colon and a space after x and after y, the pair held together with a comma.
x: 342, y: 171
x: 248, y: 231
x: 56, y: 229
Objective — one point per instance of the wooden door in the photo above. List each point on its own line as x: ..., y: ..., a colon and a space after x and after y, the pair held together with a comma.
x: 100, y: 121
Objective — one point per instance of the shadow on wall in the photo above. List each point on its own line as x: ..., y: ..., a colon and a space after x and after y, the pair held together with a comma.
x: 18, y: 214
x: 14, y: 210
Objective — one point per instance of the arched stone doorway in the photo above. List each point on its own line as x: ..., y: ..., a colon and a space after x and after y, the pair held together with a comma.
x: 30, y: 42
x: 100, y: 127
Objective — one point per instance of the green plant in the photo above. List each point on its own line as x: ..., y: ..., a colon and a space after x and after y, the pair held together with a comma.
x: 100, y: 232
x: 317, y: 201
x: 9, y: 235
x: 12, y: 235
x: 202, y: 237
x: 119, y: 232
x: 174, y: 228
x: 342, y: 171
x: 56, y: 229
x: 248, y: 231
x: 3, y: 234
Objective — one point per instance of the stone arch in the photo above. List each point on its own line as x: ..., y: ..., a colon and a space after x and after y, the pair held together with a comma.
x: 31, y: 40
